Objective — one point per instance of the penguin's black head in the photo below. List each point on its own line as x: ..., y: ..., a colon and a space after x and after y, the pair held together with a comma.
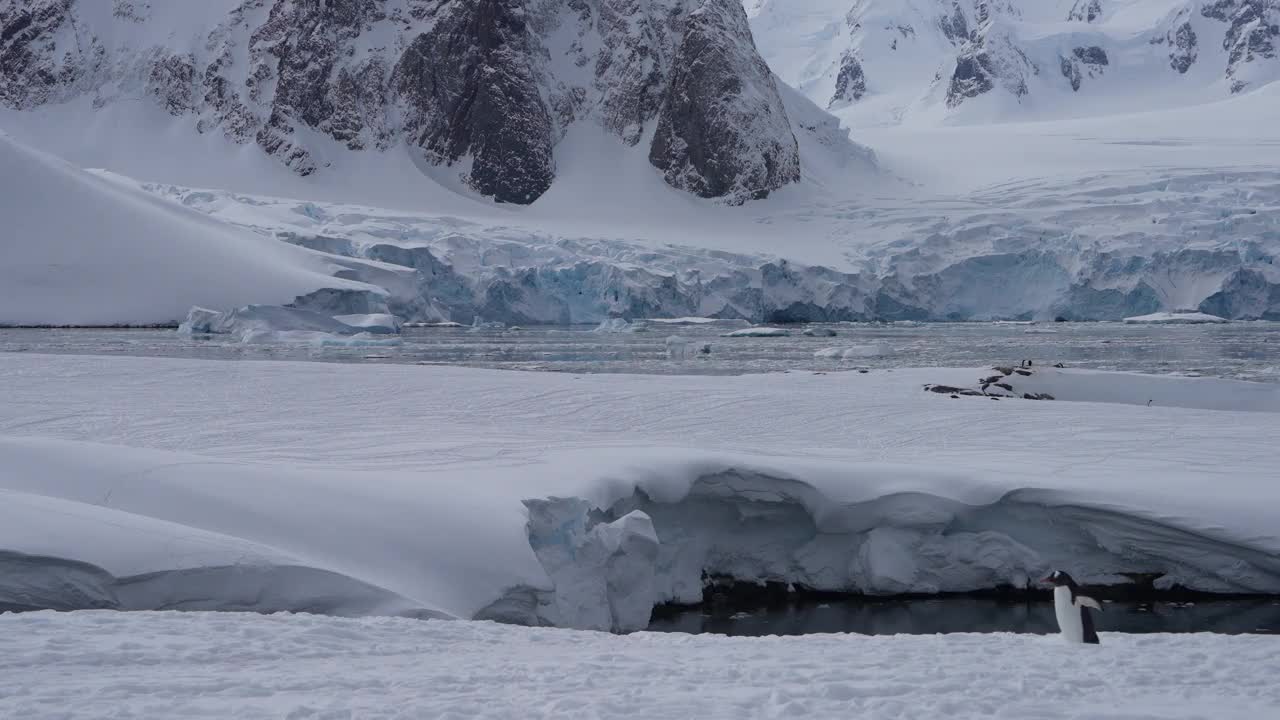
x: 1058, y: 578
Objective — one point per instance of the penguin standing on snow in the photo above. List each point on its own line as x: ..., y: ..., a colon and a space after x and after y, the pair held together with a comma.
x: 1072, y: 609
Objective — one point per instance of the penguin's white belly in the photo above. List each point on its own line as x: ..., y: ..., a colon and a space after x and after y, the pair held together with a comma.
x: 1068, y: 615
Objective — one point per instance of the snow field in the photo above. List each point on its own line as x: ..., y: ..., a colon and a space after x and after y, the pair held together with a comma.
x: 193, y: 665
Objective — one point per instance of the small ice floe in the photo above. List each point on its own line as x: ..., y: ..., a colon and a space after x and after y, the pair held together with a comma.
x: 697, y: 321
x: 479, y: 325
x: 444, y: 324
x: 759, y: 332
x: 619, y: 325
x: 683, y: 348
x: 854, y: 352
x: 1176, y: 318
x: 818, y: 332
x: 1039, y: 331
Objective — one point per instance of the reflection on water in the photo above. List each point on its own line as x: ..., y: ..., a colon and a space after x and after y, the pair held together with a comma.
x: 1248, y: 350
x: 967, y: 614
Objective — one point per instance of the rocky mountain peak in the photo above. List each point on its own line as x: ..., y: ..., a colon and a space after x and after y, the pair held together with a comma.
x: 486, y: 89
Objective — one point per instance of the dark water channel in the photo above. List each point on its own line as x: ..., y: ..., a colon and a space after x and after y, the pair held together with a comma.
x: 974, y: 614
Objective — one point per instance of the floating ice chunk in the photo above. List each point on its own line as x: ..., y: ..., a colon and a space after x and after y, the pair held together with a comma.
x: 1175, y: 318
x: 819, y: 332
x: 319, y: 339
x: 618, y: 325
x: 759, y: 332
x: 443, y: 324
x: 253, y: 320
x: 376, y: 323
x: 854, y: 352
x: 698, y: 321
x: 1039, y: 331
x: 683, y: 348
x: 479, y: 325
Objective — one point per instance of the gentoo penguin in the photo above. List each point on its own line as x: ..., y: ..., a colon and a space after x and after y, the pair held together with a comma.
x: 1072, y: 609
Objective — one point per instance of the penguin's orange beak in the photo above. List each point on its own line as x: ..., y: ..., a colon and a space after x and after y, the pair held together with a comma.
x: 1046, y: 581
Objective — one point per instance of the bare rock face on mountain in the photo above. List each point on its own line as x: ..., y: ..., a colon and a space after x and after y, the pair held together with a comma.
x: 471, y: 92
x: 1084, y: 62
x: 484, y: 88
x: 1253, y: 33
x: 723, y: 131
x: 1085, y: 11
x: 851, y: 83
x: 28, y: 75
x: 986, y: 60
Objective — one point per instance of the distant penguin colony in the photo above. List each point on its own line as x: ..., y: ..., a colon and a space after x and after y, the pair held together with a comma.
x: 1074, y: 620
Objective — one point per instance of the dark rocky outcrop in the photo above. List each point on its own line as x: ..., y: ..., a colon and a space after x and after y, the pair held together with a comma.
x: 1084, y: 62
x: 28, y: 74
x: 1184, y: 48
x: 471, y: 92
x: 1085, y: 11
x: 723, y: 131
x: 851, y: 82
x: 1254, y: 28
x: 986, y: 60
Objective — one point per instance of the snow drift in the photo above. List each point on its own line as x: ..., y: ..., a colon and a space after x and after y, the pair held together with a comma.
x: 81, y: 250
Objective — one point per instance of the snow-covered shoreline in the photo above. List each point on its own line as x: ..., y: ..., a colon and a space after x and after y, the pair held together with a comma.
x: 438, y: 490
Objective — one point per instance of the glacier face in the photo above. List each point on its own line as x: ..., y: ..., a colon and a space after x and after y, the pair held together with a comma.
x: 1041, y: 251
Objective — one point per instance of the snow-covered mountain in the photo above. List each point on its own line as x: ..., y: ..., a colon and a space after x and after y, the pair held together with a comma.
x: 1028, y: 158
x: 967, y: 61
x: 480, y: 92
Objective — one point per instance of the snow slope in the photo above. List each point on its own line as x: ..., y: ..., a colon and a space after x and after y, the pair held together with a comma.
x: 201, y: 665
x: 582, y: 500
x: 82, y: 250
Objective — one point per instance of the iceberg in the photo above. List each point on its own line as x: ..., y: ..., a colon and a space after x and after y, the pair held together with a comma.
x: 1175, y: 318
x: 759, y: 332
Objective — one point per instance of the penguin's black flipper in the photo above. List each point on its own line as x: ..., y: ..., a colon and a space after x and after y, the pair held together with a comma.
x: 1086, y: 623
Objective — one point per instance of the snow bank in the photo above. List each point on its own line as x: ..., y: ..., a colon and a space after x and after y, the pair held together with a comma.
x: 81, y: 250
x: 1183, y: 318
x: 71, y: 665
x: 530, y: 498
x: 759, y: 332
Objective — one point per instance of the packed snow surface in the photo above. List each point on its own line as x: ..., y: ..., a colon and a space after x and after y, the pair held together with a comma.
x: 195, y: 665
x: 1164, y: 318
x: 82, y: 250
x: 147, y: 483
